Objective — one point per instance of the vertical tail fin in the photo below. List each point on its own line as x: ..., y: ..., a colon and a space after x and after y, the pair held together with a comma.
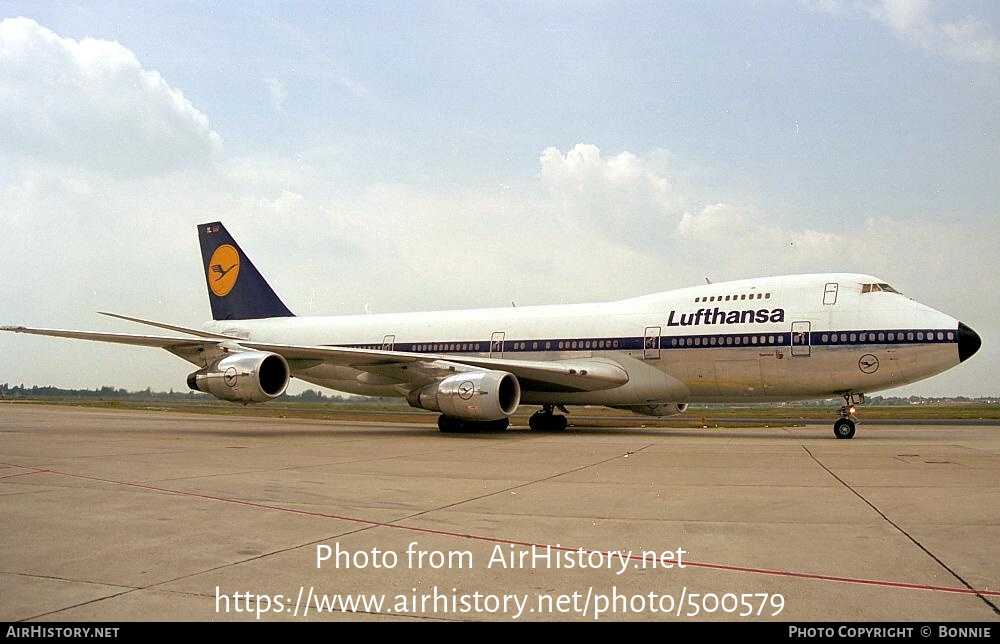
x: 236, y: 288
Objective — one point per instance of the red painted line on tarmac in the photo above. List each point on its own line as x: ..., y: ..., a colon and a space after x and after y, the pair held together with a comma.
x: 10, y: 476
x: 514, y: 542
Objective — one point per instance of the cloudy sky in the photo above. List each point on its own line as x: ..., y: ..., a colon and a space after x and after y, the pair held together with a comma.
x: 437, y: 155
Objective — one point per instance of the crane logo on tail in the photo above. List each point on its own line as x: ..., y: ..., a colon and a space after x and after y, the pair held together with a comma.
x: 223, y: 269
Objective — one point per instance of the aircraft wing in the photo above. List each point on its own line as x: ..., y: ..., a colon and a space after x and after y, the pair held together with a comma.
x: 413, y: 369
x: 422, y: 368
x: 197, y: 351
x: 163, y: 342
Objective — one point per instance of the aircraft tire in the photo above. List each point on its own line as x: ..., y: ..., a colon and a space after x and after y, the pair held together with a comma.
x: 450, y: 425
x: 547, y: 422
x: 844, y: 428
x: 495, y: 425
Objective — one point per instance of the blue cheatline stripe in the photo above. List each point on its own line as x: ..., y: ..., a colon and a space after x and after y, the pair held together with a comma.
x: 895, y: 337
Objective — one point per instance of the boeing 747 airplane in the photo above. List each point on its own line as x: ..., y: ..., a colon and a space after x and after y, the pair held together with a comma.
x: 785, y: 338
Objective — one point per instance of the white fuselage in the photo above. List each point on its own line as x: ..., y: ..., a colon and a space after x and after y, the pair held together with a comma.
x: 776, y: 338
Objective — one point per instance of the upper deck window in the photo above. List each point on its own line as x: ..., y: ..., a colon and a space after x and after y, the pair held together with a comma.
x: 878, y: 288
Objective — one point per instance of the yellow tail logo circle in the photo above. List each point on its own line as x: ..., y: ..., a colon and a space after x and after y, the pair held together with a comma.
x: 223, y: 269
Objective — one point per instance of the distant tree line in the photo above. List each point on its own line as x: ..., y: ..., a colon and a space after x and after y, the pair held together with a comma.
x: 882, y: 401
x: 10, y: 392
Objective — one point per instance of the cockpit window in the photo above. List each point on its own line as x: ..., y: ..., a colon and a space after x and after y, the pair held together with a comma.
x: 878, y: 288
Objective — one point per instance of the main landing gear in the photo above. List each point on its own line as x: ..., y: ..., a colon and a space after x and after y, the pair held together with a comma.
x: 544, y: 420
x: 845, y: 426
x: 450, y: 425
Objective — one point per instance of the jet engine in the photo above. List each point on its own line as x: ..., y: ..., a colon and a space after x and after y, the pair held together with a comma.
x: 667, y: 409
x: 475, y: 396
x: 248, y: 376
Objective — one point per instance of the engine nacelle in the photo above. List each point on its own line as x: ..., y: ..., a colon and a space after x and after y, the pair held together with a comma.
x: 666, y: 409
x: 248, y: 376
x: 475, y: 395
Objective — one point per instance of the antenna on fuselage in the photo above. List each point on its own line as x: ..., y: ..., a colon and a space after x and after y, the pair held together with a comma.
x: 707, y: 281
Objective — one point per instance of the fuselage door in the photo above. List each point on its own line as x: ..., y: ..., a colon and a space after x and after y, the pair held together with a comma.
x: 387, y: 342
x: 830, y: 293
x: 651, y: 343
x: 496, y: 344
x: 800, y: 338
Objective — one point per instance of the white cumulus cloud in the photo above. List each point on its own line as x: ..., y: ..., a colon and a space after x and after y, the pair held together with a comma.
x: 715, y: 220
x: 90, y: 104
x: 967, y: 38
x: 916, y: 22
x: 625, y: 196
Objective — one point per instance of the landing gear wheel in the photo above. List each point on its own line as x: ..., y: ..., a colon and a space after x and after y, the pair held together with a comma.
x: 844, y: 428
x: 542, y: 421
x: 450, y: 425
x: 496, y: 425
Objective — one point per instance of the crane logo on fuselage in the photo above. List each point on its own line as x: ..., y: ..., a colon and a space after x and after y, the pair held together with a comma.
x: 718, y: 316
x: 223, y: 269
x: 868, y: 363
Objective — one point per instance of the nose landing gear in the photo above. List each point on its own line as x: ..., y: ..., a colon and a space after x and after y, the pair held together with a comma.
x: 845, y: 426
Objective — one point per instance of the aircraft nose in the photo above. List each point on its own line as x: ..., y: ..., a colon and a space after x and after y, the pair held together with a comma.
x: 968, y: 342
